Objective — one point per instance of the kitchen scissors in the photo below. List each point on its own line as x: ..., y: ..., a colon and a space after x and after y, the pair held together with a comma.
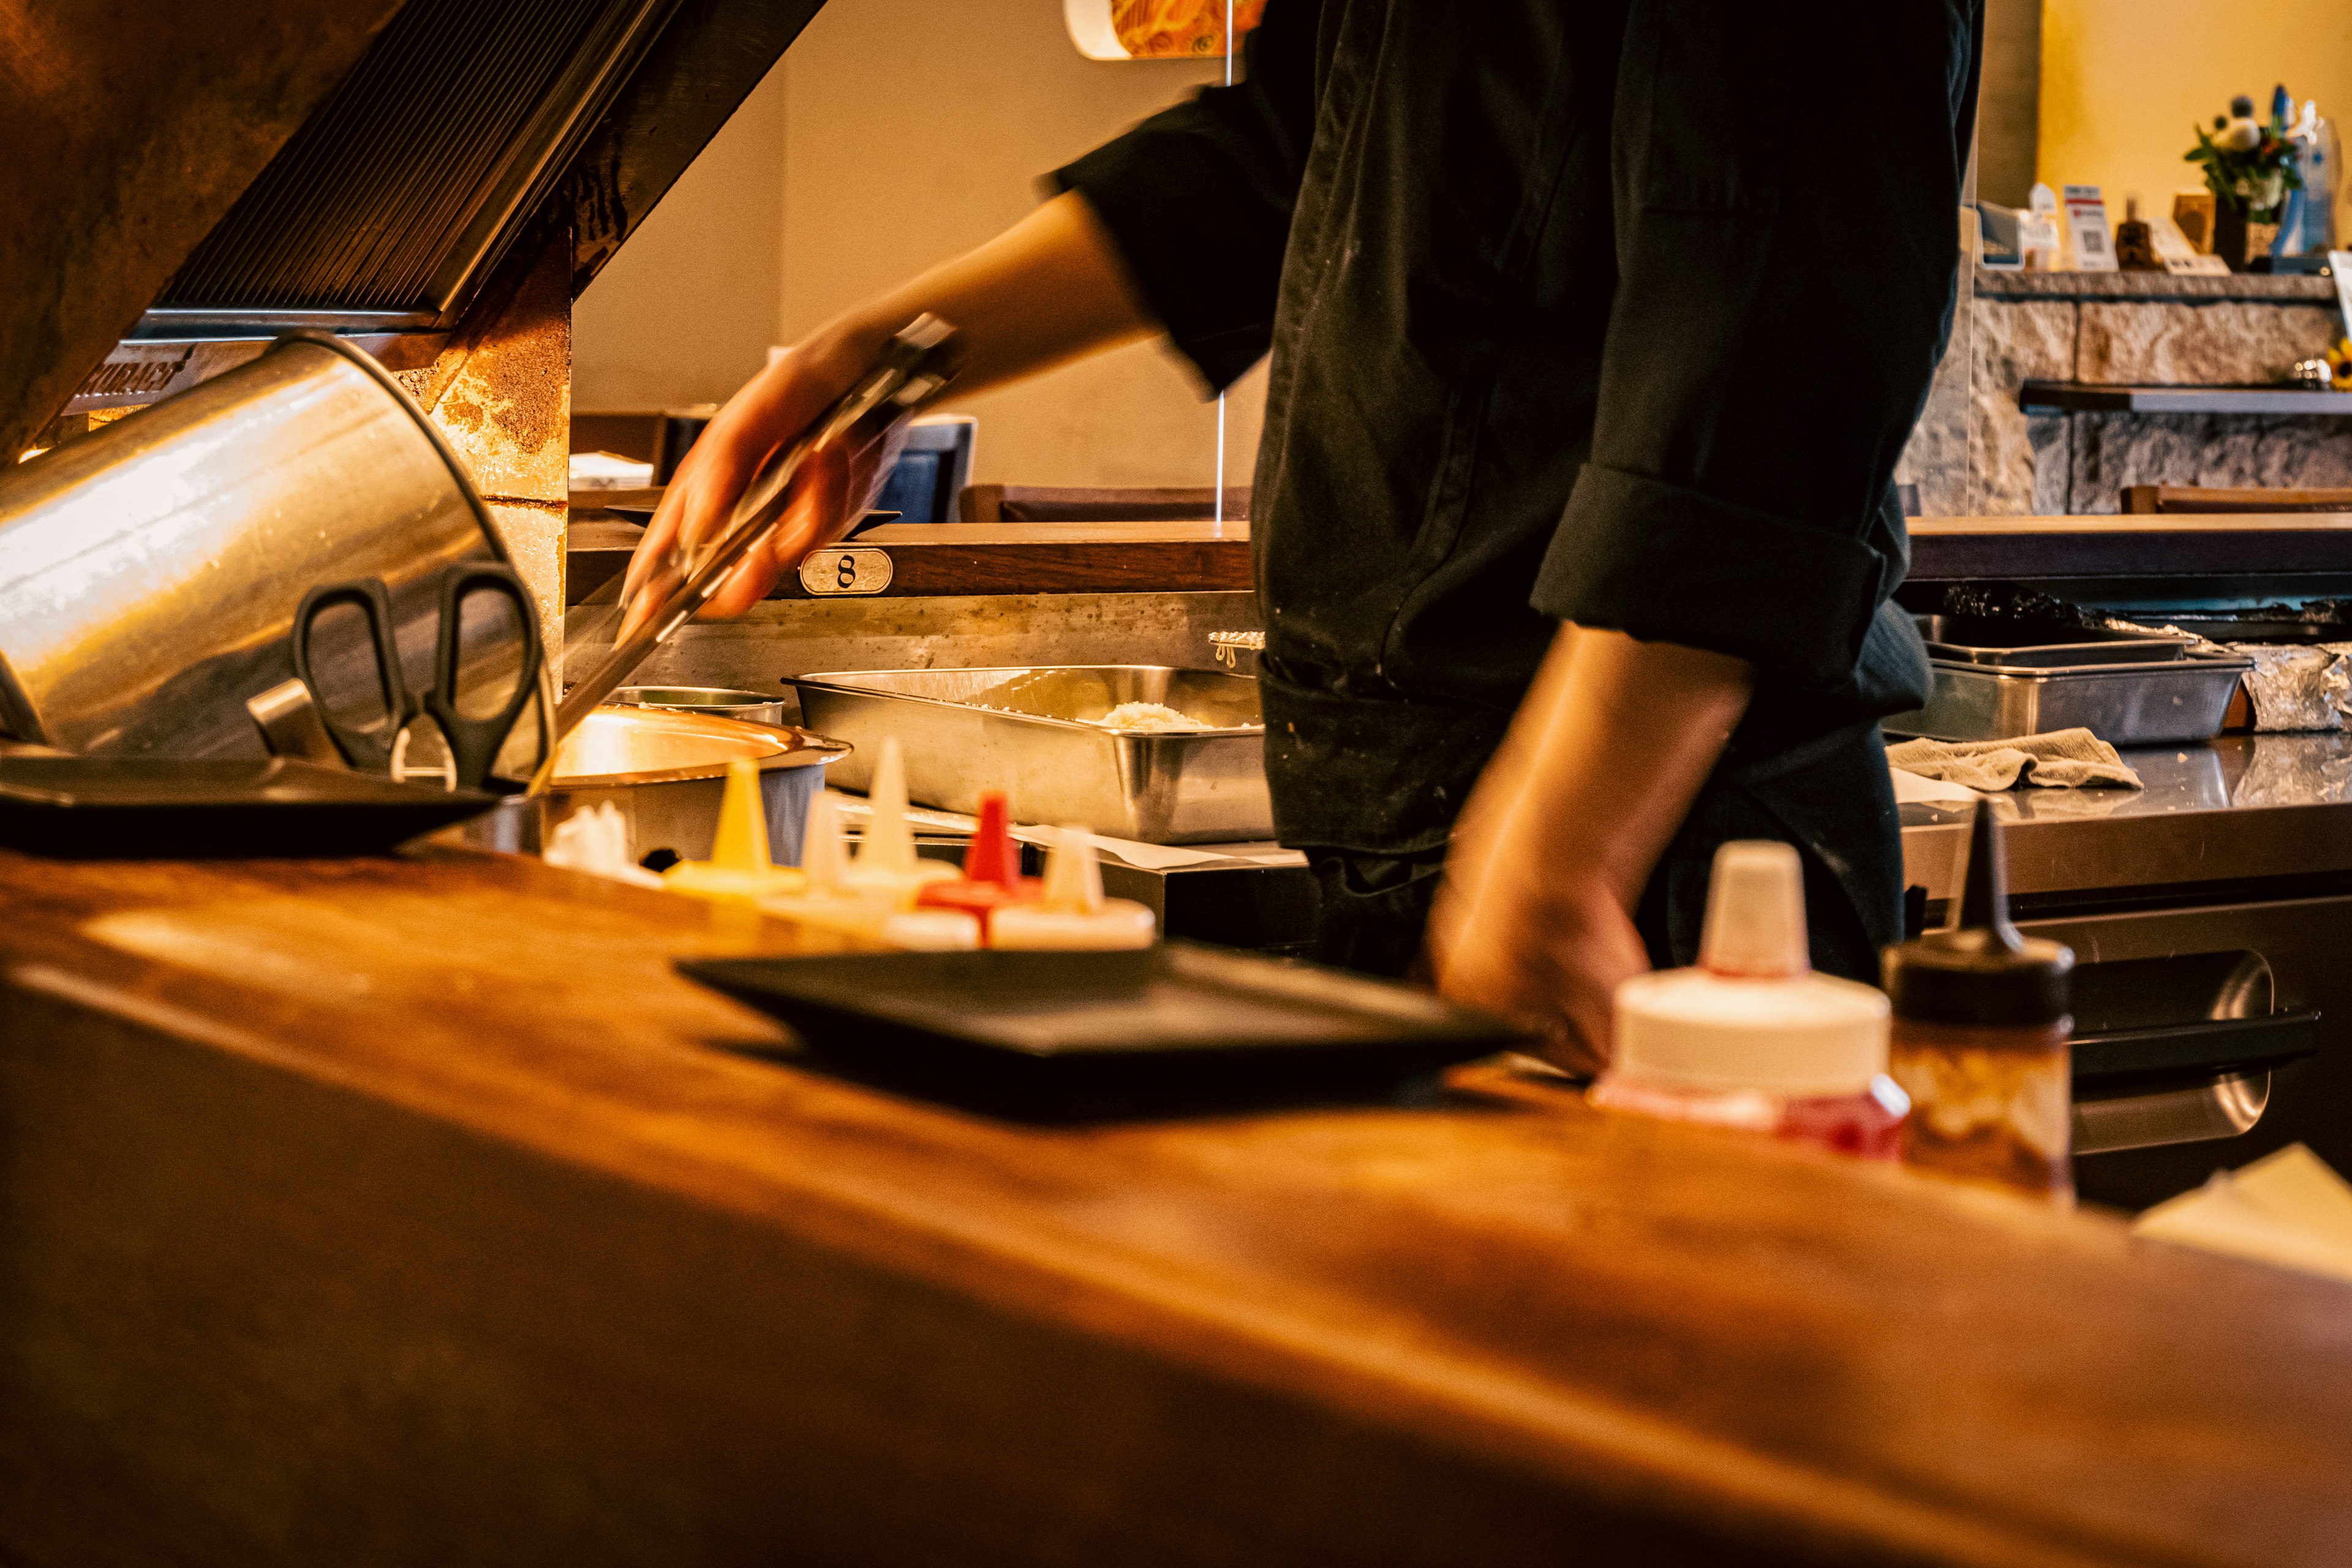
x: 379, y: 746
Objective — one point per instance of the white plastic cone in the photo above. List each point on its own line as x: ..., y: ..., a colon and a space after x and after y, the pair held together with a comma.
x: 1073, y: 874
x: 889, y: 836
x: 825, y: 859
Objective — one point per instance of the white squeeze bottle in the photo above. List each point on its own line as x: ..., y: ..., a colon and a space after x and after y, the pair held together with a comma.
x: 887, y: 861
x: 1074, y: 914
x: 832, y: 903
x: 1751, y: 1037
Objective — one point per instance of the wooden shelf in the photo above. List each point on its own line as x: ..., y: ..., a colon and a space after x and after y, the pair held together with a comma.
x: 1961, y: 548
x: 2078, y: 397
x: 937, y: 560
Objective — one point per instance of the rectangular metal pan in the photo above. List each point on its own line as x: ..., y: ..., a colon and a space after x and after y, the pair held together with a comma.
x: 2123, y: 704
x: 1974, y: 639
x: 1205, y: 786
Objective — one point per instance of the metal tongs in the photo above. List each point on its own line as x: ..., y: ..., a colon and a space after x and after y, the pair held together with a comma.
x: 912, y: 368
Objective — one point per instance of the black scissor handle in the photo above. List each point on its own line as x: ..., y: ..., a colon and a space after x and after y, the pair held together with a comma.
x: 473, y: 742
x: 369, y: 749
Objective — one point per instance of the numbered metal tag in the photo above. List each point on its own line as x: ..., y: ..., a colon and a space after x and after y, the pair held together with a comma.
x: 851, y: 571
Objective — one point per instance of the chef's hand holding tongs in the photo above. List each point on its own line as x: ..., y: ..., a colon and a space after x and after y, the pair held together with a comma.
x: 802, y: 497
x: 743, y: 510
x: 381, y: 745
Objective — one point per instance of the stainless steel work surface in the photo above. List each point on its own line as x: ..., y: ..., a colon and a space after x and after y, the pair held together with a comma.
x: 1029, y: 731
x: 2243, y: 808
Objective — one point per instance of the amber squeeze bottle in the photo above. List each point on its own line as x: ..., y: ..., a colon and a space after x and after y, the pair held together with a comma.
x: 1981, y: 1031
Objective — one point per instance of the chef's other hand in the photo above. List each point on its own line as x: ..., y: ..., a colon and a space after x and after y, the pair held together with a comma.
x: 774, y: 407
x: 1604, y: 757
x: 1548, y: 957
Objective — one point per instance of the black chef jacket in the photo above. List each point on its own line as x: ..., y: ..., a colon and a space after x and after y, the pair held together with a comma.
x: 1611, y: 311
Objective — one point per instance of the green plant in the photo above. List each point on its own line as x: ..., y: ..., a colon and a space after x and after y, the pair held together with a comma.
x: 2248, y: 165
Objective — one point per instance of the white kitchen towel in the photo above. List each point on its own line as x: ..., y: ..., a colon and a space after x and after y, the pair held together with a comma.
x: 2062, y: 759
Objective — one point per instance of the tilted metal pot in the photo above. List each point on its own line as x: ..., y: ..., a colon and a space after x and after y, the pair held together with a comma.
x: 149, y: 571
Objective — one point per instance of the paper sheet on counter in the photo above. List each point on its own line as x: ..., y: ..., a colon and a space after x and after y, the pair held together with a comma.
x: 1913, y: 789
x: 1142, y: 856
x: 2287, y: 1209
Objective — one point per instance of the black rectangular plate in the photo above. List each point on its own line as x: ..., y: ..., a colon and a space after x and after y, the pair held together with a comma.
x: 1075, y: 1036
x: 161, y: 808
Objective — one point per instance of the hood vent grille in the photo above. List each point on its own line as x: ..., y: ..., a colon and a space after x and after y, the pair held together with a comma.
x: 394, y: 199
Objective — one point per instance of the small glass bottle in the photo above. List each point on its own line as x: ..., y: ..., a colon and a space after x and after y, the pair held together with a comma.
x: 1751, y: 1037
x: 1981, y: 1027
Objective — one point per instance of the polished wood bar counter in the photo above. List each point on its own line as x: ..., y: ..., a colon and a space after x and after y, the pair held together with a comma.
x: 413, y: 1210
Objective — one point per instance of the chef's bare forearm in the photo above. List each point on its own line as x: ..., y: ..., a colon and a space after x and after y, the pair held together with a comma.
x: 1602, y: 761
x: 1047, y: 290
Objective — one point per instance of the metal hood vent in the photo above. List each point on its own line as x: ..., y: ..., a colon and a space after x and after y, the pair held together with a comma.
x: 392, y: 203
x: 358, y: 166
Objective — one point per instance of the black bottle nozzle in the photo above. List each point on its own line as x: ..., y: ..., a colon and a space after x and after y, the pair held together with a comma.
x: 1981, y: 970
x: 1984, y: 887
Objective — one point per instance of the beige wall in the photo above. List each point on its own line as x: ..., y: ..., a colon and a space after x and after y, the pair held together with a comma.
x: 685, y: 312
x: 2123, y: 82
x: 896, y: 133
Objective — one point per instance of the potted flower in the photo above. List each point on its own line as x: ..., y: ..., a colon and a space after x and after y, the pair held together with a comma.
x: 2249, y: 168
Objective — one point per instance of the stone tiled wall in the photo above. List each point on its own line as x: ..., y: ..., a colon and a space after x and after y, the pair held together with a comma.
x: 2127, y: 329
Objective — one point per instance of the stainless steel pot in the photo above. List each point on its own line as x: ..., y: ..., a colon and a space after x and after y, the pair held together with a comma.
x: 149, y: 571
x: 665, y: 772
x: 724, y: 702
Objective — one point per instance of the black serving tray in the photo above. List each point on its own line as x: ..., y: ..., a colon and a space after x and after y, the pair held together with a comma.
x: 1077, y: 1036
x: 154, y: 808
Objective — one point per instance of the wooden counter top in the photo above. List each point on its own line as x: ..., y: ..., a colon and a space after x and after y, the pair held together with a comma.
x: 392, y: 1212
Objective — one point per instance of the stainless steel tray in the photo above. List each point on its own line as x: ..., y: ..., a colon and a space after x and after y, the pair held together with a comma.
x: 1973, y: 639
x: 2123, y: 704
x: 1204, y: 786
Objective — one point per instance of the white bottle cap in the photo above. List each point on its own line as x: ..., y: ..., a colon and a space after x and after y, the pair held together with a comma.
x: 931, y: 931
x: 1116, y: 923
x: 1755, y: 912
x: 1753, y: 1016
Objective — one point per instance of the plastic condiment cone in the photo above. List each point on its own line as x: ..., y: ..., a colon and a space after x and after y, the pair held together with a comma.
x: 738, y: 868
x: 886, y: 860
x: 991, y: 876
x: 830, y: 902
x: 1764, y: 1021
x: 595, y: 840
x: 1073, y: 914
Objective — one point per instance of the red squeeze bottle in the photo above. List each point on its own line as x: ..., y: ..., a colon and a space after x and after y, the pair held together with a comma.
x: 991, y: 871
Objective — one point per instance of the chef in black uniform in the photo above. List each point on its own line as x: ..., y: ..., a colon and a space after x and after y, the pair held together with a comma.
x: 1597, y: 327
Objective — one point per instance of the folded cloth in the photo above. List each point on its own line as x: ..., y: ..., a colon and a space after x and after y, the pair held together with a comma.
x: 2062, y: 759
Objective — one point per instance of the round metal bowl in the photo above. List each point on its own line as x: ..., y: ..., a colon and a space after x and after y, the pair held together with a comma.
x: 666, y: 771
x: 619, y: 747
x: 724, y: 702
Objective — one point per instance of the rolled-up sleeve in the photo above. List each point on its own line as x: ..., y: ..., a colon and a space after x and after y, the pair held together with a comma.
x: 1198, y: 199
x: 1785, y: 192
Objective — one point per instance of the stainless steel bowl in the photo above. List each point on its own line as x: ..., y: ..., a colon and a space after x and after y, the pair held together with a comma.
x: 665, y: 772
x: 724, y: 702
x: 149, y: 571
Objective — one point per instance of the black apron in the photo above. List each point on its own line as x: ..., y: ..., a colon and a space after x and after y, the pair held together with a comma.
x: 1577, y: 313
